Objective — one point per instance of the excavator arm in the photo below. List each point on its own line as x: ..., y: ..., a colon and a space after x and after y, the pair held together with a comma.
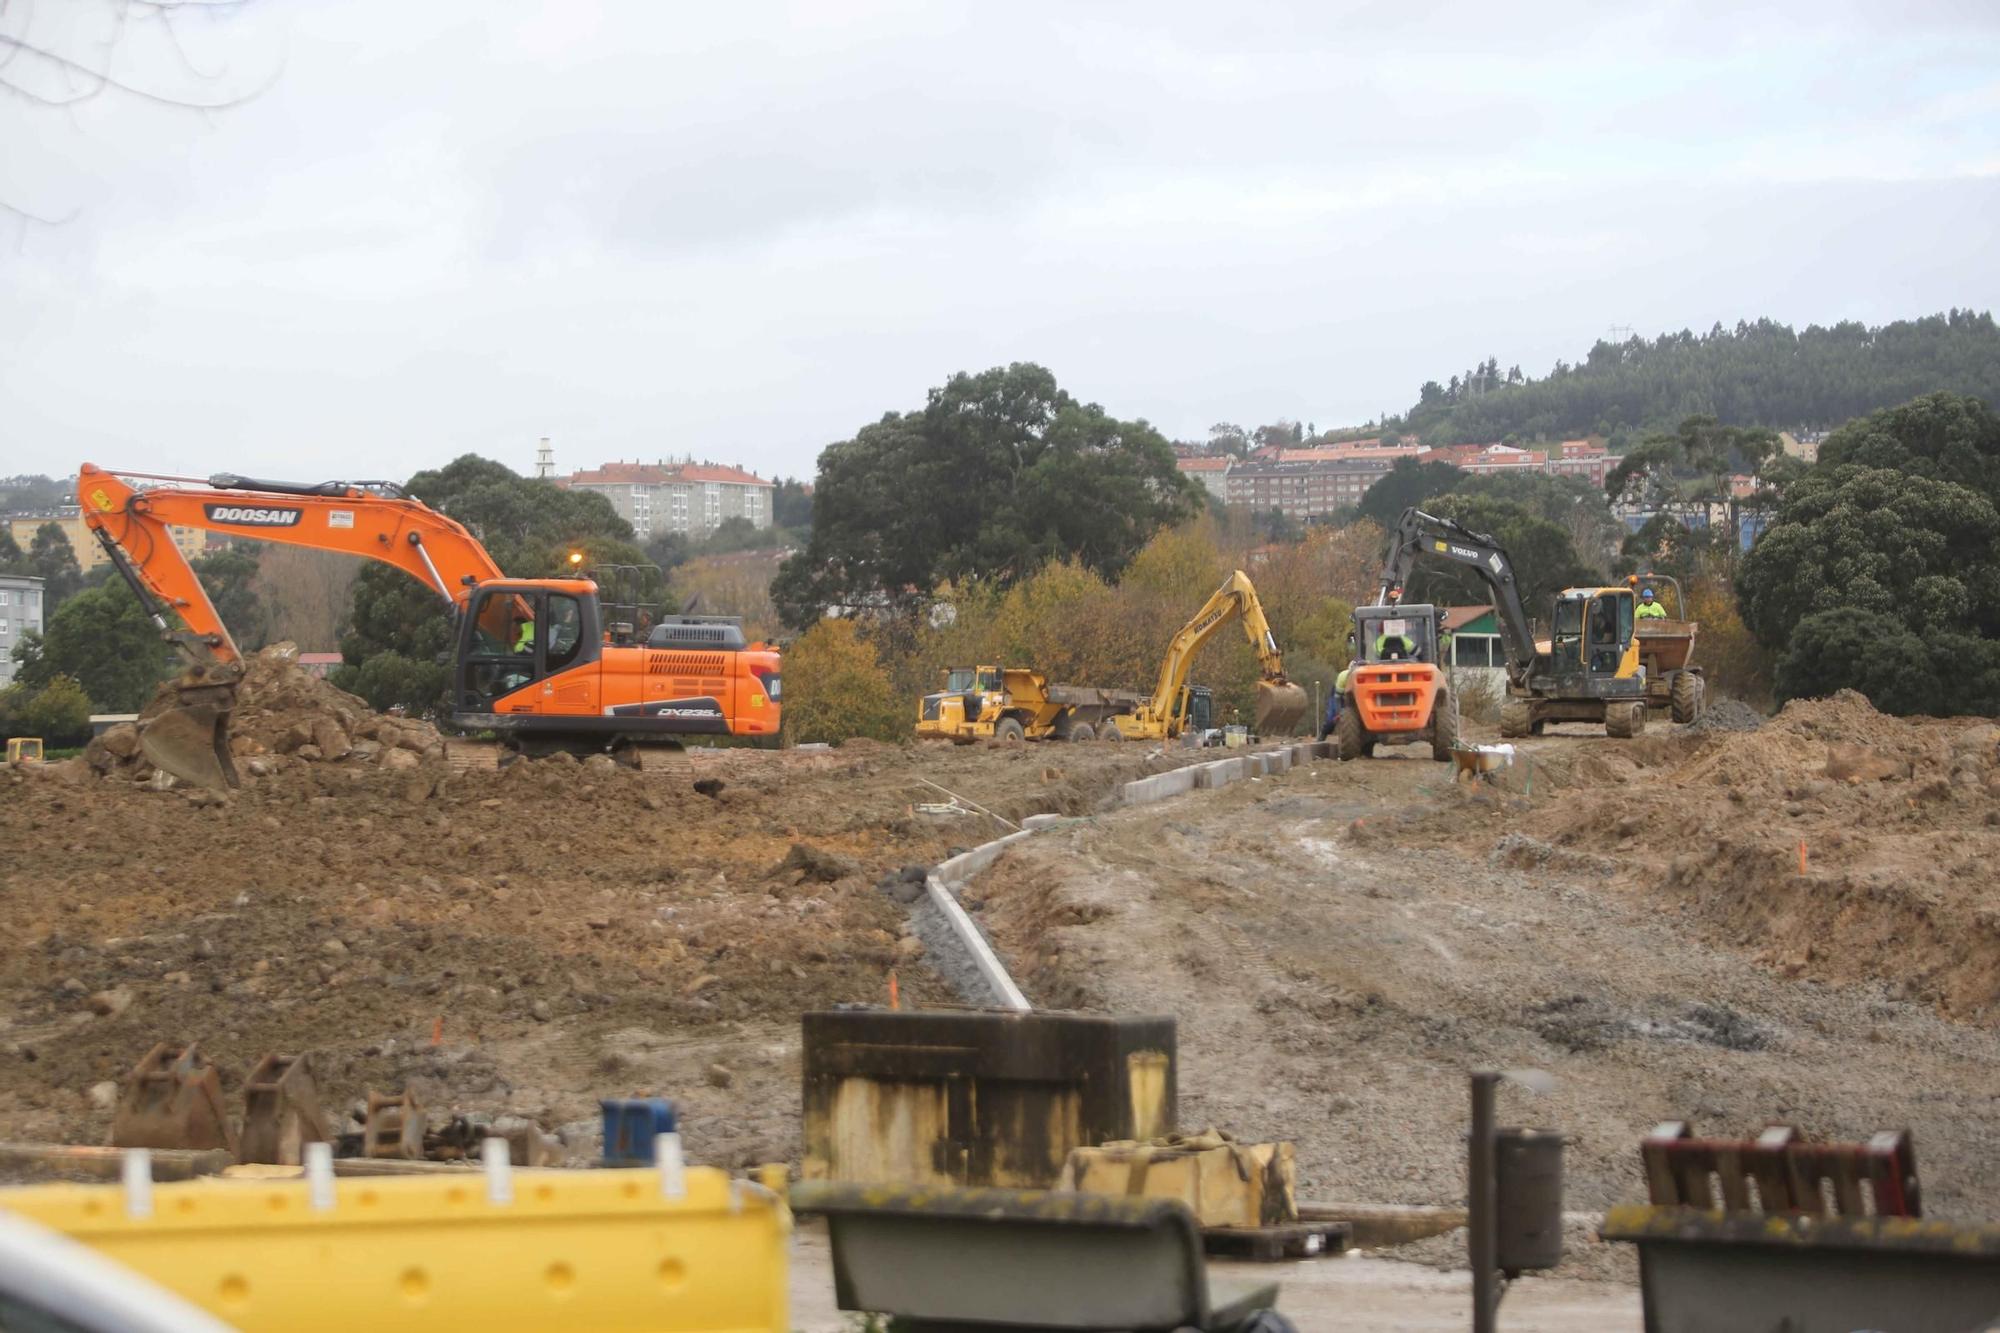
x: 1280, y: 704
x: 375, y: 522
x: 1418, y: 533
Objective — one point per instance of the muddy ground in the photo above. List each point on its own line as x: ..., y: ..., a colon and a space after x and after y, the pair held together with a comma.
x: 1340, y: 944
x: 519, y: 941
x: 1343, y: 944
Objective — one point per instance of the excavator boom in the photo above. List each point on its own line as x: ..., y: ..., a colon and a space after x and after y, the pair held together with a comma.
x: 1418, y: 533
x: 191, y: 740
x: 1280, y: 704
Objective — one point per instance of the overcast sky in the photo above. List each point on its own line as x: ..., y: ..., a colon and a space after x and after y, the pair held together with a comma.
x: 744, y: 230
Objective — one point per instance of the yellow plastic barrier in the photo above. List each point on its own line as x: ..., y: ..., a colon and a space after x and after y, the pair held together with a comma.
x: 603, y: 1249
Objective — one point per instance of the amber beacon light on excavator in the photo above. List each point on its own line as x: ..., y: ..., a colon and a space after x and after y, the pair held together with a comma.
x: 539, y: 661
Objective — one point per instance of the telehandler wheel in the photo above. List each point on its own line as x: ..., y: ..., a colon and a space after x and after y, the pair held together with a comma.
x: 1350, y: 738
x: 1008, y: 731
x: 1514, y: 718
x: 1687, y: 697
x: 1109, y: 732
x: 1081, y: 732
x: 1444, y: 727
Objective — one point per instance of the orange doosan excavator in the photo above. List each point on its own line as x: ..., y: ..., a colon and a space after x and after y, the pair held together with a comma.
x: 535, y: 661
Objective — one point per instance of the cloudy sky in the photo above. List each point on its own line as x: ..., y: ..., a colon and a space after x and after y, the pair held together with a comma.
x: 409, y: 230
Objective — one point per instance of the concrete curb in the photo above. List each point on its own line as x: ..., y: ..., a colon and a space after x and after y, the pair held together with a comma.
x: 944, y: 878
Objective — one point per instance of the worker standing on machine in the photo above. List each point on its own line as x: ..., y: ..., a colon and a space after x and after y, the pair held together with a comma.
x: 1648, y: 609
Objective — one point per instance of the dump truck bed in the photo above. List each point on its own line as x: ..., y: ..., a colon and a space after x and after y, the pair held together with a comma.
x: 1665, y: 645
x: 1082, y: 696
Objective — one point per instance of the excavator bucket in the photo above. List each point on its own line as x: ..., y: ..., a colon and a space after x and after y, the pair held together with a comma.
x: 1281, y: 706
x: 191, y: 739
x: 173, y: 1099
x: 280, y: 1111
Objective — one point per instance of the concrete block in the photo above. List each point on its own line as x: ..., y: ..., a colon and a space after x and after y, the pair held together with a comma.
x: 958, y: 869
x: 1218, y: 774
x: 1033, y: 822
x: 1158, y: 787
x: 1322, y: 749
x: 1302, y: 754
x: 1279, y: 761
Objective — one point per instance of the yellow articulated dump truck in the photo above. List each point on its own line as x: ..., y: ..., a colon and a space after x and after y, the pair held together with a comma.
x: 1016, y: 704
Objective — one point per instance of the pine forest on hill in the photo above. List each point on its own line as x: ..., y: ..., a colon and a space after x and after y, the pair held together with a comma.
x: 1756, y: 374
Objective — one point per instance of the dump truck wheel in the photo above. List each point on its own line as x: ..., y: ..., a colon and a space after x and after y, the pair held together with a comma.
x: 1686, y: 706
x: 1008, y: 731
x: 1080, y: 731
x: 1350, y: 738
x: 1514, y: 718
x: 1444, y: 728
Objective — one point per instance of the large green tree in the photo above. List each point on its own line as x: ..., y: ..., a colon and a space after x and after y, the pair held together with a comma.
x: 1884, y: 582
x: 104, y: 641
x: 53, y: 560
x: 1688, y: 473
x: 1943, y: 436
x: 996, y: 474
x: 530, y: 527
x: 1407, y: 484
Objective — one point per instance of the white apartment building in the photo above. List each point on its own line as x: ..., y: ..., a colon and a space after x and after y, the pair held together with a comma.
x: 20, y: 614
x: 689, y: 498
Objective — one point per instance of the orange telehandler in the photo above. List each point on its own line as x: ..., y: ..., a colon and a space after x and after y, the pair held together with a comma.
x: 535, y: 661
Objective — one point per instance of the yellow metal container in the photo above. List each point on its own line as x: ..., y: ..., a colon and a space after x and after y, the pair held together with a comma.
x: 603, y: 1250
x: 1223, y: 1184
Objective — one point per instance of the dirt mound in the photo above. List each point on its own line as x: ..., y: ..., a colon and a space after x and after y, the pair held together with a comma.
x: 285, y: 715
x: 1833, y: 841
x: 572, y: 930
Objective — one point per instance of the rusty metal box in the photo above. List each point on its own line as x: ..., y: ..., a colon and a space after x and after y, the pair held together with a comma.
x: 977, y: 1098
x: 1222, y: 1184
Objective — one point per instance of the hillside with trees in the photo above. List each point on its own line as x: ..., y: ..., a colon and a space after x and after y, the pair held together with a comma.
x: 1755, y: 374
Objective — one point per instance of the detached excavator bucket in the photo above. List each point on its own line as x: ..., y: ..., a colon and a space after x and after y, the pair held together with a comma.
x: 280, y: 1111
x: 191, y: 739
x: 1280, y: 707
x: 173, y: 1099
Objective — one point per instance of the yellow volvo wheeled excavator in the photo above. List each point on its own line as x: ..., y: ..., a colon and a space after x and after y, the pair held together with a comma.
x: 1168, y: 711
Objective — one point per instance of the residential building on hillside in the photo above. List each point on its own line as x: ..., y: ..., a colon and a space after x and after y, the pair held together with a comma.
x: 1212, y: 473
x: 689, y: 498
x: 89, y: 552
x: 1496, y: 458
x: 20, y: 615
x: 1346, y: 449
x: 1302, y: 490
x: 1581, y: 458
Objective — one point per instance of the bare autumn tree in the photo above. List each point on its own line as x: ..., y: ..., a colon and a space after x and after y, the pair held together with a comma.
x: 306, y: 594
x: 171, y: 55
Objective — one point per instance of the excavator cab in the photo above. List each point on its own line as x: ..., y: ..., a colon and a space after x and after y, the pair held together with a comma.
x: 1592, y: 634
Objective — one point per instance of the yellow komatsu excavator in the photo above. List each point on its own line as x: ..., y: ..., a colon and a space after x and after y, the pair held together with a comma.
x: 1173, y: 704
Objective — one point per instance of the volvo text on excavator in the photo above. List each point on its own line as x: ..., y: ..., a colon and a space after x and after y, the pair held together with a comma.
x: 1165, y: 714
x: 535, y: 661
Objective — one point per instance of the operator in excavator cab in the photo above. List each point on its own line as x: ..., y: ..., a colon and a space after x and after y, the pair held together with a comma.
x: 1648, y: 609
x: 524, y: 636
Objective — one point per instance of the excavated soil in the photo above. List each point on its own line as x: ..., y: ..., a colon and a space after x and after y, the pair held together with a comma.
x: 502, y: 941
x: 1344, y: 943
